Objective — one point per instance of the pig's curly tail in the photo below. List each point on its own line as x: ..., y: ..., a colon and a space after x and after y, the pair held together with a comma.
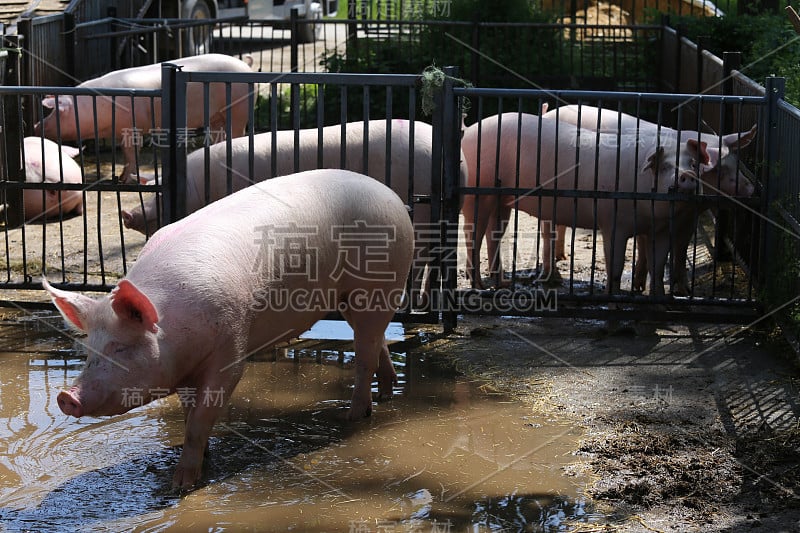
x: 433, y: 79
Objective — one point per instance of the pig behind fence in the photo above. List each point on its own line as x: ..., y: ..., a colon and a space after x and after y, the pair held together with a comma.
x: 46, y: 162
x: 205, y: 294
x: 584, y: 163
x: 721, y: 175
x: 409, y: 165
x: 87, y: 117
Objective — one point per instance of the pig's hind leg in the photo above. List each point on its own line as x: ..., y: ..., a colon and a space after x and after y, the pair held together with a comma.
x: 372, y: 356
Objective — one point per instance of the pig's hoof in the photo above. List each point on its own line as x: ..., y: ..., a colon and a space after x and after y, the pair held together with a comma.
x: 680, y: 289
x: 353, y: 415
x: 385, y: 396
x: 185, y: 479
x: 561, y: 257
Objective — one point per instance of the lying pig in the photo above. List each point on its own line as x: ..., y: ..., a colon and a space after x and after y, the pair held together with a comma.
x: 721, y: 176
x: 117, y: 117
x: 557, y: 155
x: 46, y: 162
x: 215, y: 287
x: 354, y: 149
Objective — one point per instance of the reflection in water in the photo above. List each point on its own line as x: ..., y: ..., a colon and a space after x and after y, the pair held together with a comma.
x: 442, y: 456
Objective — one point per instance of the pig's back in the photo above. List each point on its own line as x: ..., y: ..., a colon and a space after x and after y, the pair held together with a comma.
x: 220, y: 244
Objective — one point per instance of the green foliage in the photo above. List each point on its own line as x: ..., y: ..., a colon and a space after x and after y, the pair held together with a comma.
x: 307, y: 104
x: 768, y: 44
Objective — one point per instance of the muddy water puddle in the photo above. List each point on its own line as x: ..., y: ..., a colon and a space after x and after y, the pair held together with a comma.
x: 445, y: 454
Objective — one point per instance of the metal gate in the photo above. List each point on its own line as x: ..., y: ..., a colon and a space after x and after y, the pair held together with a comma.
x: 721, y: 281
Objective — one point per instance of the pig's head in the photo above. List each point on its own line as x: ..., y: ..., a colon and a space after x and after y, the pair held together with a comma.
x: 676, y: 165
x: 143, y: 219
x: 62, y: 107
x: 123, y: 365
x: 723, y: 173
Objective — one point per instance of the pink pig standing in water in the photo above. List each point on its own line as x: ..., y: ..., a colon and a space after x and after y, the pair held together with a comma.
x: 212, y: 288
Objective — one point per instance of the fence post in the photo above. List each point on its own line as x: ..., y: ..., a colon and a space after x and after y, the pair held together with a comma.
x: 474, y: 55
x: 173, y: 181
x: 680, y: 30
x: 701, y: 40
x: 12, y: 131
x: 69, y: 45
x: 730, y: 61
x: 111, y: 13
x: 351, y: 45
x: 775, y: 90
x: 294, y: 38
x: 448, y: 119
x: 24, y: 68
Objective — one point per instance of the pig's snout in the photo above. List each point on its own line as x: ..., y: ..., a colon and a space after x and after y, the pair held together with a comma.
x: 69, y: 403
x: 687, y: 181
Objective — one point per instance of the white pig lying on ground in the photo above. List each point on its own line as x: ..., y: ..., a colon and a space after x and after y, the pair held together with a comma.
x: 584, y: 163
x: 215, y: 287
x: 57, y: 163
x: 117, y: 118
x: 720, y: 176
x: 398, y: 174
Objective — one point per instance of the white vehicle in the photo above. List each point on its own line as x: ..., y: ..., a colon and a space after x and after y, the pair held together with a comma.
x: 255, y: 9
x: 282, y: 10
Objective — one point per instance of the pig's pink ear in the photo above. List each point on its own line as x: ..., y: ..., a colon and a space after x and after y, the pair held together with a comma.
x: 129, y: 302
x: 64, y: 103
x: 699, y: 148
x: 72, y: 306
x: 737, y: 141
x: 654, y: 159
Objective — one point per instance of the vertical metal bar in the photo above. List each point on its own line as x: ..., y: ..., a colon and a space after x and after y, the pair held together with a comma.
x: 12, y: 132
x: 449, y: 194
x: 69, y: 45
x: 169, y: 154
x: 775, y: 90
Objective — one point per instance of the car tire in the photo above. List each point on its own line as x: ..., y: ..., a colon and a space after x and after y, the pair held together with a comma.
x: 198, y: 39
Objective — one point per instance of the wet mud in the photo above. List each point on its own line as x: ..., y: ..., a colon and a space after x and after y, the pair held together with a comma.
x: 448, y: 451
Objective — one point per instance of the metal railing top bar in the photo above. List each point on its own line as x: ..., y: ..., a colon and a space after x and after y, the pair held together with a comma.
x: 27, y: 90
x: 590, y: 96
x: 323, y: 78
x: 46, y: 19
x: 148, y: 25
x: 466, y: 23
x: 786, y: 107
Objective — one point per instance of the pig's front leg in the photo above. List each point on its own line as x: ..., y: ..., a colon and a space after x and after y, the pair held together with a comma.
x: 657, y: 260
x: 130, y: 171
x: 494, y: 237
x: 211, y: 395
x: 477, y: 211
x: 614, y: 251
x: 560, y: 247
x: 640, y: 270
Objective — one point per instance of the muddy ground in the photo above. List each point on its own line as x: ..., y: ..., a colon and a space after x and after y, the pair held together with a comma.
x: 686, y: 428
